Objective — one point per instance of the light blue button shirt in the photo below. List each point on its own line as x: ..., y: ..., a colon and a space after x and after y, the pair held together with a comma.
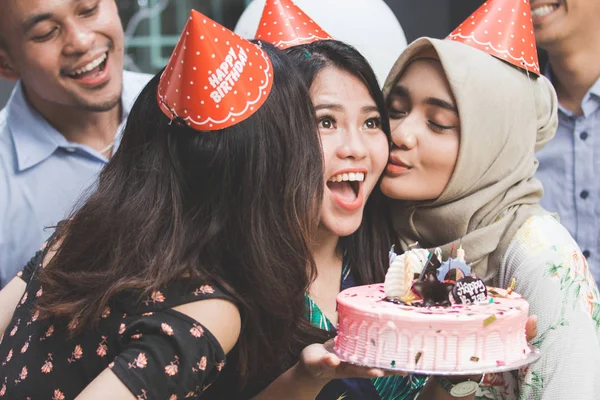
x: 42, y: 175
x: 569, y: 165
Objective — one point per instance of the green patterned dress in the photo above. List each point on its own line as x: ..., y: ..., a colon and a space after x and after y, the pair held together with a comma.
x: 388, y: 388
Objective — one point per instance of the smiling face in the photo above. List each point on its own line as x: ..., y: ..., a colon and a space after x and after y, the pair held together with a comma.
x: 555, y: 21
x: 66, y: 52
x: 355, y: 149
x: 425, y: 133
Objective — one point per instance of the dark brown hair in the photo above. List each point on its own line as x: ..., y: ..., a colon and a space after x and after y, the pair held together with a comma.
x: 236, y: 207
x: 366, y: 250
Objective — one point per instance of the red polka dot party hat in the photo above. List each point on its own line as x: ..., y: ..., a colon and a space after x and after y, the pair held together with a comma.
x: 285, y: 25
x: 504, y: 29
x: 214, y: 78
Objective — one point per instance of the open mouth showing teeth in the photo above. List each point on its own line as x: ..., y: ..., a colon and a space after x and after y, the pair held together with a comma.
x: 346, y: 185
x: 92, y: 69
x: 544, y: 10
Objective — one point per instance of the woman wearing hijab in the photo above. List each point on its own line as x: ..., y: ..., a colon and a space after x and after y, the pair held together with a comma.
x: 465, y: 126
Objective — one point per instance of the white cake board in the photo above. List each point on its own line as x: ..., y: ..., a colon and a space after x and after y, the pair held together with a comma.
x: 532, y: 357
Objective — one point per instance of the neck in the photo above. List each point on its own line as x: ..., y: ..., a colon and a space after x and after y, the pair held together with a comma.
x: 326, y: 286
x: 575, y: 68
x: 95, y: 129
x: 325, y: 251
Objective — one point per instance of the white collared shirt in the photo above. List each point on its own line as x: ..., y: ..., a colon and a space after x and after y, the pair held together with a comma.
x: 42, y: 175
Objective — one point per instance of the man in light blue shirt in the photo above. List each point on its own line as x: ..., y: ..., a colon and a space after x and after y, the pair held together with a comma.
x: 570, y: 33
x: 64, y: 117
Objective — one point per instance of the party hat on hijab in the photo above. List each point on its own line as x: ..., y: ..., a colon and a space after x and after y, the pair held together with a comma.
x: 285, y: 25
x: 504, y: 29
x: 214, y: 78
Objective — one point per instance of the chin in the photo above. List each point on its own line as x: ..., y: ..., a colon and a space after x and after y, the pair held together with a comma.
x: 343, y: 226
x: 551, y: 33
x: 346, y: 232
x: 102, y: 105
x: 348, y: 226
x: 402, y: 196
x: 392, y: 190
x: 547, y: 35
x: 398, y: 193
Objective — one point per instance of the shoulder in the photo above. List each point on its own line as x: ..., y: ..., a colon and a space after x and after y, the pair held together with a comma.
x: 549, y: 267
x: 220, y: 316
x: 541, y: 232
x: 540, y: 242
x: 209, y: 305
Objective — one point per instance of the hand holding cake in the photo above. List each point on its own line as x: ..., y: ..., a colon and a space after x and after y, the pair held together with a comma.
x: 448, y: 325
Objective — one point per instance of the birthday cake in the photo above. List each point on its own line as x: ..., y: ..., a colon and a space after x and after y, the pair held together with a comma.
x: 431, y: 315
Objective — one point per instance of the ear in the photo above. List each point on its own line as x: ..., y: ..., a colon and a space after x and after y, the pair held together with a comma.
x: 7, y: 67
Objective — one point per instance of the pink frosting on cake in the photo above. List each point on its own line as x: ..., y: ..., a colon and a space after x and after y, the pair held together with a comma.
x: 379, y: 333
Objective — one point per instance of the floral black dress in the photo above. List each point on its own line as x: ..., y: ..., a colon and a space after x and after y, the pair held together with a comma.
x: 156, y: 351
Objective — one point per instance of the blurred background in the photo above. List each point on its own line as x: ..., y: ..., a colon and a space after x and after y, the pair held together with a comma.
x: 152, y: 26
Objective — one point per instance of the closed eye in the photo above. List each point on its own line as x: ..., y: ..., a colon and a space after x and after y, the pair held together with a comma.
x: 89, y: 11
x: 439, y: 127
x: 47, y: 36
x: 396, y: 114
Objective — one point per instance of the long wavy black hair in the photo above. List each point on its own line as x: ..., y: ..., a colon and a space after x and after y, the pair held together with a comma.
x: 236, y: 207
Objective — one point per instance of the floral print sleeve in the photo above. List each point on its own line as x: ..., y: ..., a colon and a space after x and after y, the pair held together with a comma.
x: 167, y: 355
x: 552, y: 274
x: 156, y: 351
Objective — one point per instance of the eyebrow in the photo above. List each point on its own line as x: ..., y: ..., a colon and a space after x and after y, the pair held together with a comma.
x: 434, y: 101
x: 399, y: 90
x: 36, y: 19
x: 368, y: 109
x: 334, y: 107
x: 402, y: 91
x: 339, y: 108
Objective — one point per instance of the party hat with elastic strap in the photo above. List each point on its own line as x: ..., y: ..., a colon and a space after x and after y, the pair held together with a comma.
x: 284, y: 24
x: 214, y: 78
x: 504, y: 29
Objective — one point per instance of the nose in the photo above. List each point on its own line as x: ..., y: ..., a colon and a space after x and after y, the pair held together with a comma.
x: 404, y: 133
x: 79, y: 39
x: 352, y: 145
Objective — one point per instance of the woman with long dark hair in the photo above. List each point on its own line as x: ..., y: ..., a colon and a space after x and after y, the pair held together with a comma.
x: 194, y: 245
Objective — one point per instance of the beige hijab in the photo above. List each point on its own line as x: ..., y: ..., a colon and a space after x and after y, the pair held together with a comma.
x: 504, y: 116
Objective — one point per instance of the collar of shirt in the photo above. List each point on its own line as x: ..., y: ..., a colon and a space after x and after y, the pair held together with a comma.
x: 35, y: 139
x: 590, y: 102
